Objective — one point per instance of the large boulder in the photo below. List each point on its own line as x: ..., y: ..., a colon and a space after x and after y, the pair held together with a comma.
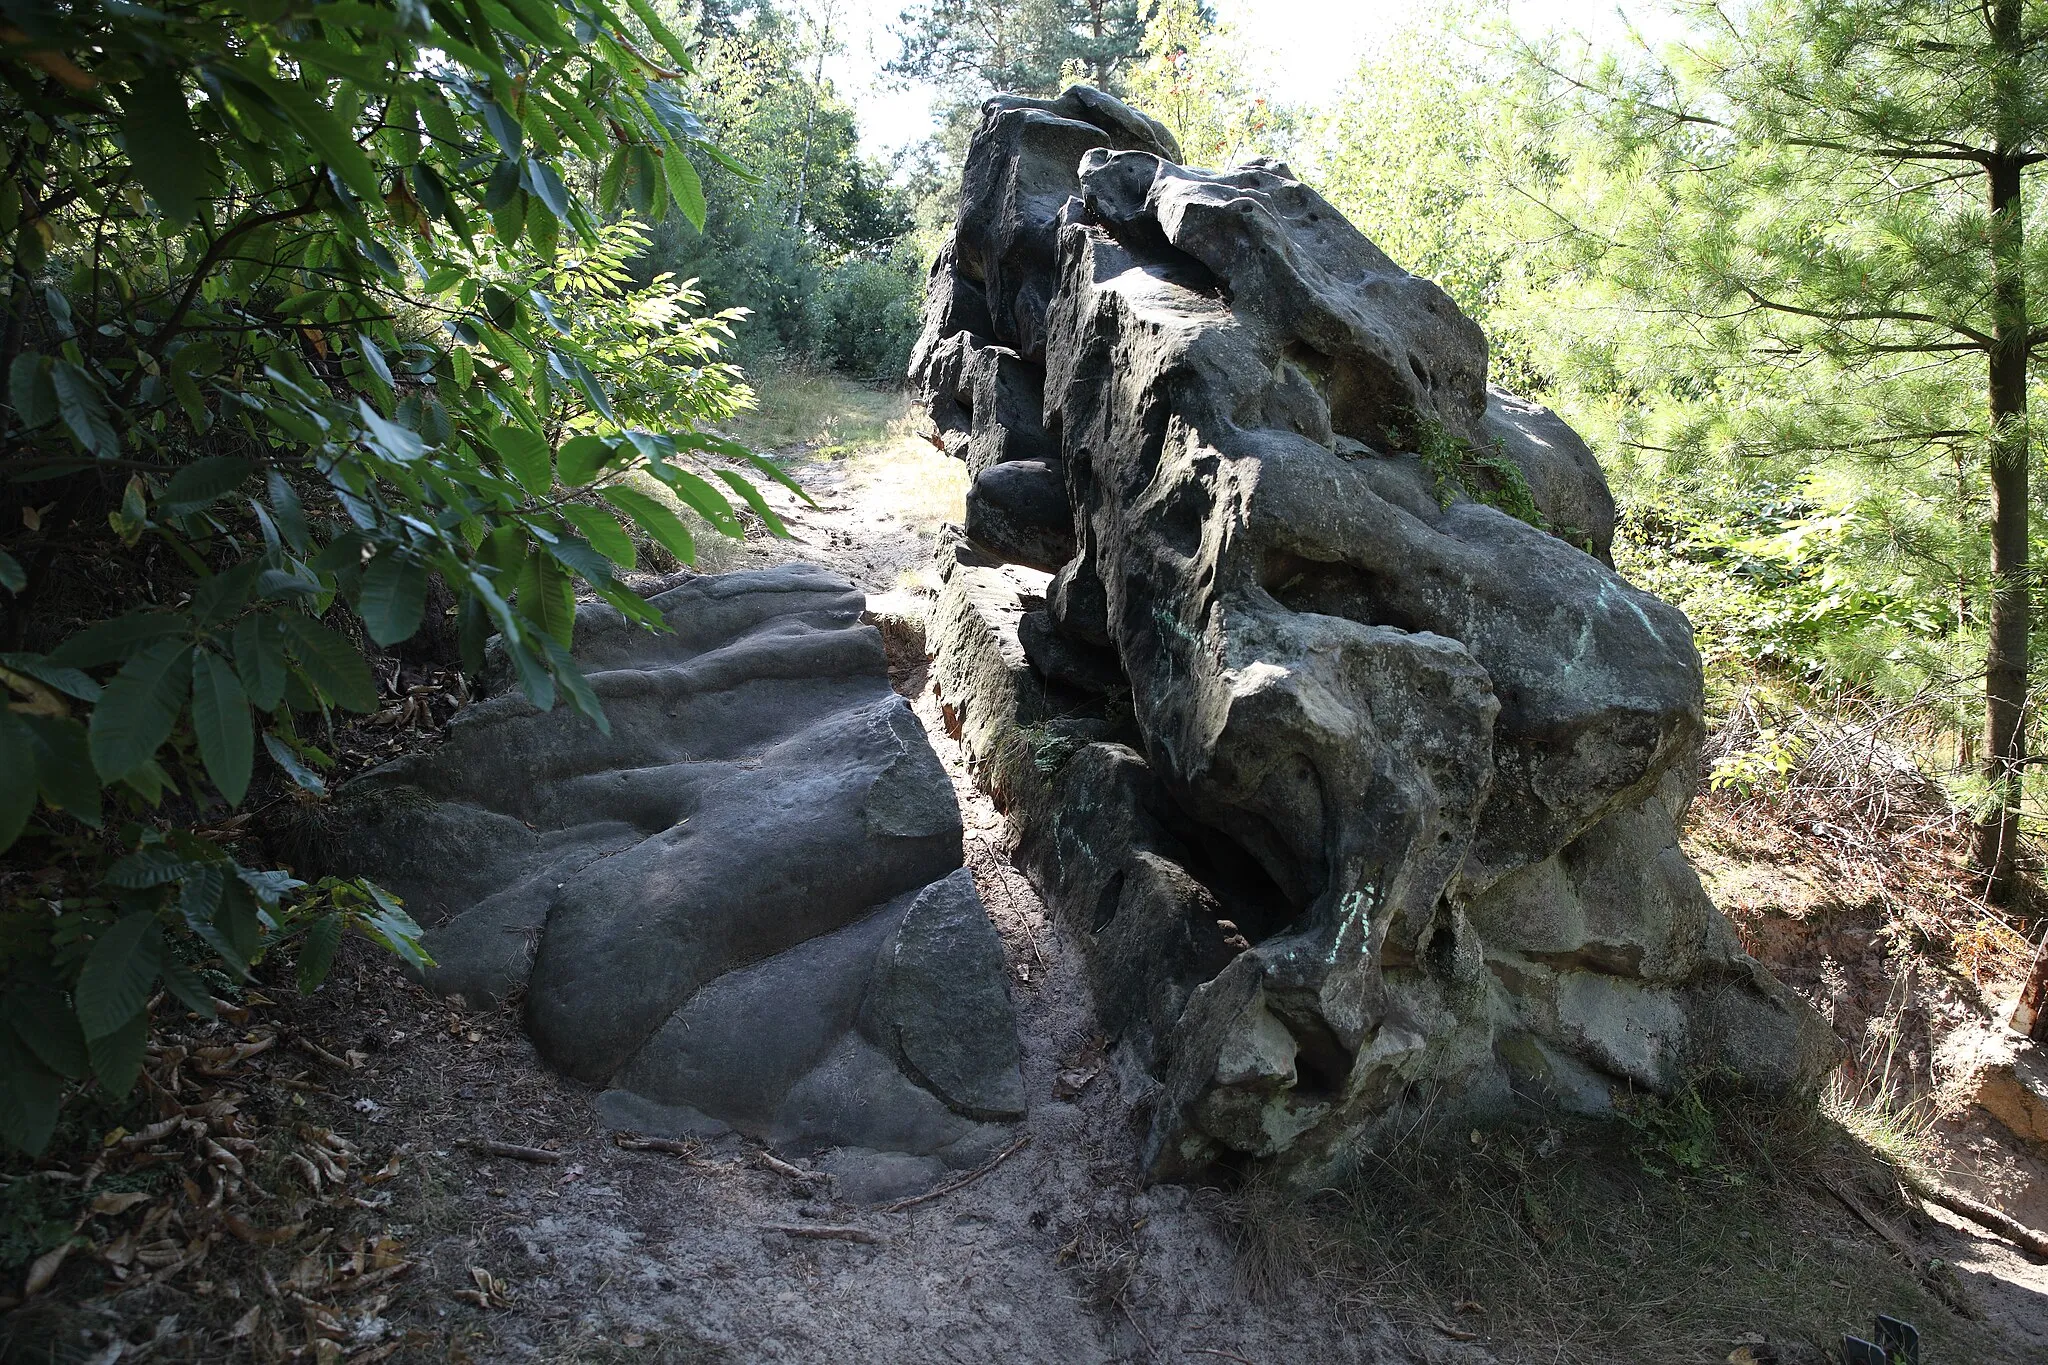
x: 742, y: 907
x: 1350, y: 755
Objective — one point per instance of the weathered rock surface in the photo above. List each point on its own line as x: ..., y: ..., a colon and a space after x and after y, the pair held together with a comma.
x: 1364, y: 791
x: 743, y: 908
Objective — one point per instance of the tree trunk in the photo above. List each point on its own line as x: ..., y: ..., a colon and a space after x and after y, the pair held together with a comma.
x: 2005, y: 665
x: 2005, y: 669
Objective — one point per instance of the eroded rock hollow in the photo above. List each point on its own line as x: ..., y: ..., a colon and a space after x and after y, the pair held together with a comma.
x: 1296, y: 655
x: 743, y: 908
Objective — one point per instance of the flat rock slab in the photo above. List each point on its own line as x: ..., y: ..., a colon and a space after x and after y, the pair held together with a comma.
x: 743, y: 908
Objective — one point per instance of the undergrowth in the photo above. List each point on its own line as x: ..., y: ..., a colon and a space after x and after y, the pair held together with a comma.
x: 1682, y: 1230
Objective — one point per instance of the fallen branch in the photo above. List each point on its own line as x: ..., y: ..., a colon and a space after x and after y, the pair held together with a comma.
x: 825, y: 1232
x: 688, y: 1151
x: 1869, y: 1218
x: 2015, y: 1232
x: 768, y: 1161
x: 962, y: 1182
x: 539, y: 1156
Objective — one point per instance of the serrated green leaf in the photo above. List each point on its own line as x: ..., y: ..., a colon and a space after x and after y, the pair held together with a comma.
x: 393, y: 597
x: 525, y: 456
x: 328, y: 136
x: 752, y: 496
x: 547, y: 597
x: 581, y: 457
x: 332, y: 663
x: 30, y: 391
x: 316, y: 953
x: 64, y: 771
x: 84, y: 410
x: 294, y: 769
x: 117, y: 1057
x: 120, y: 638
x: 12, y: 576
x: 69, y: 681
x: 684, y: 187
x: 115, y: 982
x: 29, y: 1096
x: 203, y: 482
x: 166, y: 153
x: 139, y: 709
x: 43, y: 1021
x: 259, y: 660
x: 220, y: 719
x: 706, y: 501
x: 603, y: 532
x: 18, y: 785
x: 655, y: 518
x: 184, y: 983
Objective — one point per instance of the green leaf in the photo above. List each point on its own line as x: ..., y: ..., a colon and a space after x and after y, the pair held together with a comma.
x: 259, y: 660
x: 138, y: 710
x: 69, y: 681
x: 706, y: 501
x: 64, y: 771
x: 120, y: 638
x: 752, y: 495
x: 328, y: 135
x: 294, y: 769
x: 683, y: 185
x: 42, y: 1019
x: 84, y: 410
x: 167, y: 155
x: 18, y: 787
x: 333, y: 664
x: 654, y: 517
x: 202, y: 483
x: 150, y: 865
x: 393, y: 597
x: 117, y: 1057
x: 114, y: 984
x: 547, y: 597
x: 316, y: 954
x: 186, y: 985
x: 220, y: 718
x: 581, y: 457
x: 577, y: 555
x: 31, y: 391
x: 603, y: 532
x: 29, y: 1096
x: 525, y: 456
x: 12, y: 576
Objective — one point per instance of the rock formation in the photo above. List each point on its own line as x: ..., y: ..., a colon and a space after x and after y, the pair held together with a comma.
x: 742, y: 908
x: 1361, y: 791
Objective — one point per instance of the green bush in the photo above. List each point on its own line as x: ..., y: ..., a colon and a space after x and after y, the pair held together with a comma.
x: 865, y: 316
x: 303, y: 319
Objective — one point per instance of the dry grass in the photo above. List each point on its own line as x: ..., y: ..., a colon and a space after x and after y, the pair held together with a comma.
x: 814, y: 409
x: 1678, y: 1234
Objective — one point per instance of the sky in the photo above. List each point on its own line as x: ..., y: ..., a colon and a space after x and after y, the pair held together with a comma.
x: 1310, y: 46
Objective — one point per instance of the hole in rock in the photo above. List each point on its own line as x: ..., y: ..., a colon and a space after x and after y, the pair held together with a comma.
x: 1106, y: 902
x: 1442, y: 950
x: 1331, y: 589
x: 1421, y: 374
x: 1321, y: 1065
x: 1246, y: 895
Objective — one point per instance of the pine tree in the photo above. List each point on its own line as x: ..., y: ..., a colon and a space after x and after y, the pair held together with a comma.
x: 1844, y: 183
x: 972, y: 48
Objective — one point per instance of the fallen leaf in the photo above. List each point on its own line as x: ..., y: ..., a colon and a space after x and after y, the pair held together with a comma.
x: 245, y: 1324
x: 118, y: 1203
x: 45, y: 1269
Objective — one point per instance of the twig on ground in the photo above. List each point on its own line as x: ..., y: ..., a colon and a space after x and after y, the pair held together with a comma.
x: 539, y: 1156
x: 768, y: 1161
x: 1870, y: 1219
x: 826, y: 1232
x: 633, y: 1142
x: 319, y: 1053
x: 965, y: 1180
x: 2018, y: 1233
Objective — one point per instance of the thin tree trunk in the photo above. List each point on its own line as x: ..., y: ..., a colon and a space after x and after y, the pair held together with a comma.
x: 2005, y: 670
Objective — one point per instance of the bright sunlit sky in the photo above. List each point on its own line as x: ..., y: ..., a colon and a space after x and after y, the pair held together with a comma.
x: 1307, y: 46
